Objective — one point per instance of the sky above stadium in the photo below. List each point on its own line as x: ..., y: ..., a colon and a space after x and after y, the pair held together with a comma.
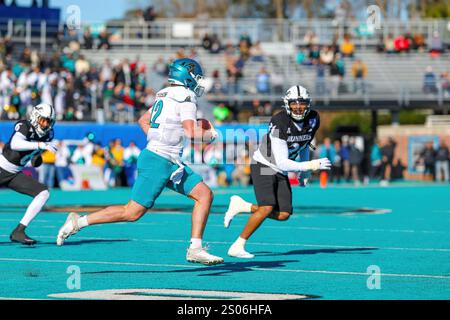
x: 92, y: 10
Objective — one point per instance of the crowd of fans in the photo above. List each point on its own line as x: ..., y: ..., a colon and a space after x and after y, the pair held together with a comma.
x: 118, y: 163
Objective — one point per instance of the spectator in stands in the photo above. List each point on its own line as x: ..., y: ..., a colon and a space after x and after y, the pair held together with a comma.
x: 328, y: 150
x: 62, y: 159
x: 336, y: 76
x: 98, y: 156
x: 160, y: 66
x: 314, y: 54
x: 442, y: 165
x: 256, y: 52
x: 77, y: 156
x: 336, y: 169
x: 310, y: 39
x: 302, y: 57
x: 207, y: 42
x: 217, y: 87
x: 355, y: 160
x: 436, y: 46
x: 150, y: 14
x: 263, y: 81
x: 397, y: 170
x: 82, y: 66
x: 88, y: 40
x: 375, y: 161
x: 428, y: 156
x: 347, y: 48
x: 326, y: 55
x: 103, y: 42
x: 429, y: 81
x: 216, y: 45
x: 320, y: 79
x: 117, y: 161
x: 402, y: 44
x: 130, y: 157
x: 387, y: 158
x: 445, y: 84
x: 345, y: 158
x: 221, y: 113
x: 359, y: 72
x: 258, y: 108
x: 418, y: 42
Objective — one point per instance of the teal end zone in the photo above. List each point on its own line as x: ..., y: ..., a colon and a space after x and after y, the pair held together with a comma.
x: 333, y: 247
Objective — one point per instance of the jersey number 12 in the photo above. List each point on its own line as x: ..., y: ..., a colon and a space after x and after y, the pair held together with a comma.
x: 156, y: 112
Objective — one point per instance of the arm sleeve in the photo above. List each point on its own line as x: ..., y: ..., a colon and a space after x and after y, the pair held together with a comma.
x: 19, y: 143
x: 188, y: 111
x: 281, y: 154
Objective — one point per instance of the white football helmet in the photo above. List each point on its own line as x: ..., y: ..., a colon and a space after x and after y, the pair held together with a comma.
x: 297, y: 93
x: 46, y: 111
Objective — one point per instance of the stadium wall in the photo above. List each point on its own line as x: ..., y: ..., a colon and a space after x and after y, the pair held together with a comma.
x: 411, y: 140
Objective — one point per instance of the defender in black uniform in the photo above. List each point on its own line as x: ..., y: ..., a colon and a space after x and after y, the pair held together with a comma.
x: 283, y: 149
x: 29, y: 139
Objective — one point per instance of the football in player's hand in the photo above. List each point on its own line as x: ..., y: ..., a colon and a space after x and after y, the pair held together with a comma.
x: 204, y: 124
x: 208, y: 134
x: 36, y: 161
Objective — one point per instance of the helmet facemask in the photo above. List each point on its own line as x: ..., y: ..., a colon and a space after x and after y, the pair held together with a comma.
x: 38, y: 114
x: 298, y: 117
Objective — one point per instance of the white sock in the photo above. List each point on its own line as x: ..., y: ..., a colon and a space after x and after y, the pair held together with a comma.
x: 35, y: 207
x: 196, y: 243
x: 240, y: 242
x: 247, y: 207
x: 83, y: 222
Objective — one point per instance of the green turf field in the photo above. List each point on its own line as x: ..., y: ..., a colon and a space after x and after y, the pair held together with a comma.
x: 323, y: 252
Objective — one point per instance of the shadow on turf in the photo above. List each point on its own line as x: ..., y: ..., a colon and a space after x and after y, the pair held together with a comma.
x: 69, y: 243
x: 316, y: 251
x: 218, y: 270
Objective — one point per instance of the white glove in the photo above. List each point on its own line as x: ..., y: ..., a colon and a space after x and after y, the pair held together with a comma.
x: 49, y: 146
x: 214, y: 134
x: 320, y: 164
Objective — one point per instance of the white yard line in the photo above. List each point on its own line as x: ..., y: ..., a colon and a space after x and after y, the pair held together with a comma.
x: 351, y: 273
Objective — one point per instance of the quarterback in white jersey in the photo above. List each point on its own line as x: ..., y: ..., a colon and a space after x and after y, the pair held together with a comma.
x: 171, y: 119
x: 173, y: 105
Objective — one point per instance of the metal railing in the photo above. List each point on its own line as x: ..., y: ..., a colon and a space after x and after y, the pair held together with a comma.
x: 170, y: 33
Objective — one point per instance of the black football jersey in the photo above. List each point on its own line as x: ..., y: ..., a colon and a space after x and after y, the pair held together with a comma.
x: 297, y: 134
x: 21, y: 158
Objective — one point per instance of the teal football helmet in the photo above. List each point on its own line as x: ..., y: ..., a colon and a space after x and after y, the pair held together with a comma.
x: 188, y: 73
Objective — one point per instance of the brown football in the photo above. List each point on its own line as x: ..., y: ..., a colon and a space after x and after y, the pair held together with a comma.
x: 204, y: 124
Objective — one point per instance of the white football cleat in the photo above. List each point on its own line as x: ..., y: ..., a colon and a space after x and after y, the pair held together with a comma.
x: 201, y: 255
x: 239, y: 252
x: 237, y: 205
x: 70, y: 227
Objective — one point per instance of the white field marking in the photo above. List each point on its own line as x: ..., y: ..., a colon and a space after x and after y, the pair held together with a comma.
x: 174, y: 294
x: 196, y: 267
x: 256, y: 243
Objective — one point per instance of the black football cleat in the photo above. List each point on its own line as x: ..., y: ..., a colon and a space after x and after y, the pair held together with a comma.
x: 19, y: 235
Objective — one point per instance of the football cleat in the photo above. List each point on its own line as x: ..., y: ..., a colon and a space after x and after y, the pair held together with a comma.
x: 19, y: 235
x: 201, y: 255
x: 70, y: 227
x: 237, y: 205
x: 239, y: 252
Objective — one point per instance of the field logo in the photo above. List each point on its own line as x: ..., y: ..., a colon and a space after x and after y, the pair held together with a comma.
x: 374, y: 280
x: 74, y: 280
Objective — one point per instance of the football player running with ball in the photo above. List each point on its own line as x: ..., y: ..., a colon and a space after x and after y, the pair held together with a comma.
x: 28, y: 141
x: 171, y: 119
x: 285, y: 148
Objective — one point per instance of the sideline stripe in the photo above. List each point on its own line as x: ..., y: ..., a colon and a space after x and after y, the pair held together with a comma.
x: 255, y: 243
x: 212, y: 269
